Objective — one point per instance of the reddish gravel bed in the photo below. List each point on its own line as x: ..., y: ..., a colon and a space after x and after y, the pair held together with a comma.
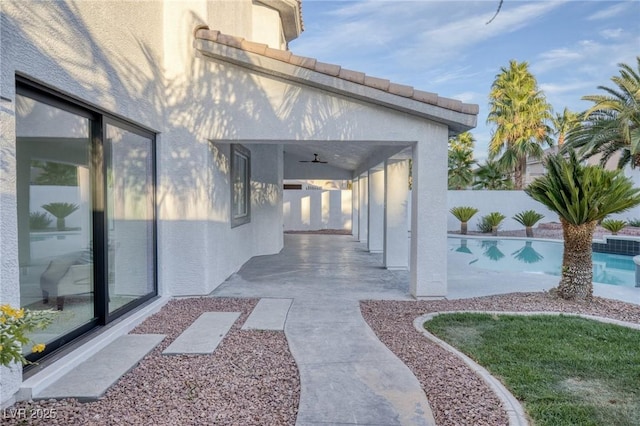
x: 457, y: 396
x: 251, y: 378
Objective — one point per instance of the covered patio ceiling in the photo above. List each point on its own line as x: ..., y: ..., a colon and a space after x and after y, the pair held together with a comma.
x: 353, y: 156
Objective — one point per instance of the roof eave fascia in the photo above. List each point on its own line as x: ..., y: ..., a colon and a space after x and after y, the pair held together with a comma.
x: 457, y: 122
x: 290, y: 16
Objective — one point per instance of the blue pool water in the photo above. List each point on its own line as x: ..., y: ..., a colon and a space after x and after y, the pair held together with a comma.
x: 518, y: 255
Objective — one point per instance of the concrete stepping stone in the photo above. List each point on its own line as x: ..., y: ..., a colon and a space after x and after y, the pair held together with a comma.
x: 269, y: 314
x: 204, y: 335
x: 91, y: 378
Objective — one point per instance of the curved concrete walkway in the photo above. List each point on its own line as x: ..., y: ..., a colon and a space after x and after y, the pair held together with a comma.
x: 347, y: 375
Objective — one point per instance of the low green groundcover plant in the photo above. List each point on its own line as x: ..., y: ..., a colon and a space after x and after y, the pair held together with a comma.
x: 565, y: 370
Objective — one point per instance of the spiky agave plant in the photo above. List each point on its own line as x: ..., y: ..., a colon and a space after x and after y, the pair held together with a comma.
x: 581, y: 196
x: 528, y: 219
x: 463, y: 214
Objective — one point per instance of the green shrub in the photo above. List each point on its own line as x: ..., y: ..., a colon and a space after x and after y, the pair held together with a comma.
x: 635, y: 222
x: 39, y: 220
x: 483, y: 225
x: 16, y: 326
x: 613, y: 225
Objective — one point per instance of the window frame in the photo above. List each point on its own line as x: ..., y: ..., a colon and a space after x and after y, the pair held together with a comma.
x: 237, y: 218
x: 99, y: 118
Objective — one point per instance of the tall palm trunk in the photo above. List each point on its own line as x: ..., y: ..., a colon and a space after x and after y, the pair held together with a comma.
x: 577, y: 266
x: 520, y: 173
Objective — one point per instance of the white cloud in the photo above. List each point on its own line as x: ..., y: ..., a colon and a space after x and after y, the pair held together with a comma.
x: 470, y: 97
x: 470, y: 29
x: 552, y: 89
x: 444, y: 75
x: 612, y: 33
x: 556, y: 58
x: 610, y: 12
x: 424, y: 32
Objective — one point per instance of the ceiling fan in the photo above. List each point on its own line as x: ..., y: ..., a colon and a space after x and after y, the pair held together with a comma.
x: 315, y: 160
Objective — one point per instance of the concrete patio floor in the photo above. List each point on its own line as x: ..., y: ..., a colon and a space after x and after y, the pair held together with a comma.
x: 347, y: 375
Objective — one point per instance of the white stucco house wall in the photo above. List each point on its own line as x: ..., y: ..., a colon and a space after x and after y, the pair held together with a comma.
x: 205, y: 100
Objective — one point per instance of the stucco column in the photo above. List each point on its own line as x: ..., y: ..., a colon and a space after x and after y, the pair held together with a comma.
x: 355, y: 209
x: 376, y: 210
x: 363, y: 196
x: 428, y: 261
x: 396, y: 224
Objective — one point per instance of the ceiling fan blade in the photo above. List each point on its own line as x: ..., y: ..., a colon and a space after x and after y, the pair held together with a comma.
x: 315, y: 160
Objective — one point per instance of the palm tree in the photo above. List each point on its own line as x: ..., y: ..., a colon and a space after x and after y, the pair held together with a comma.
x: 491, y: 176
x: 462, y: 142
x: 565, y: 123
x: 520, y: 112
x: 463, y: 214
x: 528, y: 219
x: 51, y: 173
x: 581, y: 196
x: 612, y: 125
x: 460, y: 169
x: 60, y: 211
x: 495, y: 219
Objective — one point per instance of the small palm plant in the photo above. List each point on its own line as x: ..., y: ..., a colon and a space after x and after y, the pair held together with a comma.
x: 463, y: 214
x: 60, y: 211
x: 613, y: 225
x: 528, y: 219
x: 581, y: 195
x: 495, y: 219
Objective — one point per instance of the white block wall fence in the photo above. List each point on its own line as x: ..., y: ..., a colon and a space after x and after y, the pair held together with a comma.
x: 509, y: 203
x: 312, y: 210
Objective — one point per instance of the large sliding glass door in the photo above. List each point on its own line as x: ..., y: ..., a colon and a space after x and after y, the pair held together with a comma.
x: 130, y: 225
x: 86, y: 216
x: 55, y: 228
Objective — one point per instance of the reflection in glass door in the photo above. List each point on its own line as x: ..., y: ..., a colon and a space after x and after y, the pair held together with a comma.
x: 55, y: 231
x: 130, y: 215
x: 86, y: 213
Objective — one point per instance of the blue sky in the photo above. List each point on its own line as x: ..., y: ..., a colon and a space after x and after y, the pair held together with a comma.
x: 446, y: 47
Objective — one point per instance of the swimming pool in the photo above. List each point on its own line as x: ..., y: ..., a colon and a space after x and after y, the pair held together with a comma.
x: 538, y: 256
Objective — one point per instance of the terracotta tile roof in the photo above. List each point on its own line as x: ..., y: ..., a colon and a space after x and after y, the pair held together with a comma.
x: 205, y: 33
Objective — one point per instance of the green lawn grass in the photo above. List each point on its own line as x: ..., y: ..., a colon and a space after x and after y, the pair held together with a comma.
x: 565, y: 370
